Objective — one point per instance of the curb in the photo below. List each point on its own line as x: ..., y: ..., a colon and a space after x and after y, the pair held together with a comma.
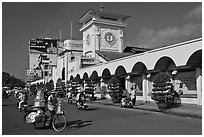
x: 172, y: 112
x: 183, y: 114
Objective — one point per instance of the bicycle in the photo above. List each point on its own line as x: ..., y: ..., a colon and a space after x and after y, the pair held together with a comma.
x: 40, y: 118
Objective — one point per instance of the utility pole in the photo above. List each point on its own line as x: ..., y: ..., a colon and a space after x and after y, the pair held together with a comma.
x: 60, y: 35
x: 101, y: 6
x: 71, y: 31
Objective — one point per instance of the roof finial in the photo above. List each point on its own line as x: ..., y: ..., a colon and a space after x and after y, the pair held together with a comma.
x: 101, y: 6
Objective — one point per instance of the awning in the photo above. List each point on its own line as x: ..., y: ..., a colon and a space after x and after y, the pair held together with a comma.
x: 37, y: 82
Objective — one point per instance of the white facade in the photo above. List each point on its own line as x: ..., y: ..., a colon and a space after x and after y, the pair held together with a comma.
x: 188, y: 66
x: 66, y: 59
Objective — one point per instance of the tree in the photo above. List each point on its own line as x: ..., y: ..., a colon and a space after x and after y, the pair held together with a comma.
x: 163, y: 91
x: 60, y: 84
x: 115, y: 89
x: 11, y: 81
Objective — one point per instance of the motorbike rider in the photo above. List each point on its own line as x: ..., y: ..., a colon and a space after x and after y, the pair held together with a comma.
x: 80, y: 96
x: 23, y: 97
x: 69, y: 96
x: 125, y: 99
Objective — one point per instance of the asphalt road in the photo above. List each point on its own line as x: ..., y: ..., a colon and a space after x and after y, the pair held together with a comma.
x: 102, y: 120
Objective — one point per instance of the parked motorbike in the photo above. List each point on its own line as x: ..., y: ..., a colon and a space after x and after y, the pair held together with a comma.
x: 126, y: 102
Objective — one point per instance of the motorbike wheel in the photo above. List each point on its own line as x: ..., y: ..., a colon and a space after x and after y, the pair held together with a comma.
x: 78, y: 105
x: 25, y: 117
x: 130, y: 105
x: 84, y: 107
x: 59, y: 123
x: 121, y: 104
x: 39, y: 123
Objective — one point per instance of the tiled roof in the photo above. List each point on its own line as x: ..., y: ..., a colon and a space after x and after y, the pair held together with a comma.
x: 135, y: 50
x: 109, y: 55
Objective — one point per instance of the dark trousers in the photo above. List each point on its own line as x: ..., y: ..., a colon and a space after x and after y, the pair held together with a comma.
x: 134, y: 101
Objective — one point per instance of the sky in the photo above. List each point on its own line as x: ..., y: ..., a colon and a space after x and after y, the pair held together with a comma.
x: 151, y: 25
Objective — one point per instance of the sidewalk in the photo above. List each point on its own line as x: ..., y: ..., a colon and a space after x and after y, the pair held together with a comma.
x: 186, y: 110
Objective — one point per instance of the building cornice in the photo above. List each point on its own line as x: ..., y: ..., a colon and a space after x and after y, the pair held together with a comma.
x: 102, y: 22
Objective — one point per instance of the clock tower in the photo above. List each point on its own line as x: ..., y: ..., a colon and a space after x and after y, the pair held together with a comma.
x: 102, y: 31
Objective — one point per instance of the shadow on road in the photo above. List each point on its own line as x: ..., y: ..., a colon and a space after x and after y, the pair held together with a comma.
x: 78, y: 123
x: 91, y: 109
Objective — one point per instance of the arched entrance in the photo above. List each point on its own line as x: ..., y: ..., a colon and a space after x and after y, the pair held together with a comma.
x: 188, y: 78
x: 63, y: 73
x: 121, y: 73
x: 164, y: 64
x: 137, y: 77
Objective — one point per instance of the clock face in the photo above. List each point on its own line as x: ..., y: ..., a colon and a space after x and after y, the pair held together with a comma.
x: 88, y: 39
x: 110, y: 39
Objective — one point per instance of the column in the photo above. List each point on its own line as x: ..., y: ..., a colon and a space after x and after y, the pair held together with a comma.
x: 148, y: 86
x: 127, y: 83
x: 144, y: 87
x: 66, y: 67
x: 102, y: 84
x: 199, y: 85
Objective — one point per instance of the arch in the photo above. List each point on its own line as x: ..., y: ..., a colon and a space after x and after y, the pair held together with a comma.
x: 77, y: 78
x: 71, y: 77
x: 120, y: 71
x: 106, y: 73
x: 85, y: 76
x: 63, y: 73
x: 195, y: 60
x: 164, y: 63
x: 139, y: 68
x: 94, y: 75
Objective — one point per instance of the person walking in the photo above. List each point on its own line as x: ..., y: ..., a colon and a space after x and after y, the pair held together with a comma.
x: 133, y: 91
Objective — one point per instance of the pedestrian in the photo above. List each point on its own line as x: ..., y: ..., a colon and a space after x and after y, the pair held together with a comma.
x: 133, y: 91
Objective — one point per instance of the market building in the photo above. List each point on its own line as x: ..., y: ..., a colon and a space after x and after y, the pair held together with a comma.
x: 103, y: 40
x: 102, y: 54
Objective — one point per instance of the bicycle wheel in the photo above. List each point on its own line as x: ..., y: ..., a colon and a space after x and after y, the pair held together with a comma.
x: 59, y: 123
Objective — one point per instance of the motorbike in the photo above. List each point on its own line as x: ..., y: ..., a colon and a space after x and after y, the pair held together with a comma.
x: 23, y: 107
x: 126, y: 102
x: 81, y: 105
x: 40, y: 118
x: 80, y: 101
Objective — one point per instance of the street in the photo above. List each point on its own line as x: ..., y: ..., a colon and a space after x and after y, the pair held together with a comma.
x: 102, y: 120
